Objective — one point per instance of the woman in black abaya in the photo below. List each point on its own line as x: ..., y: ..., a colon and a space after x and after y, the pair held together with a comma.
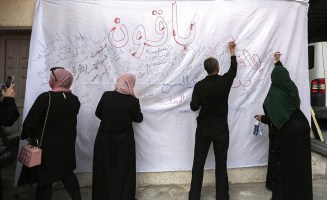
x: 289, y: 168
x: 114, y: 168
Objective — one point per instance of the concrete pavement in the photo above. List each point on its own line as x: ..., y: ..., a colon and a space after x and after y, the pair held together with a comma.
x: 248, y: 191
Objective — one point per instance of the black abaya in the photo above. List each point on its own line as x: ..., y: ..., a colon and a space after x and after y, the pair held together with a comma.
x: 114, y: 164
x: 289, y: 173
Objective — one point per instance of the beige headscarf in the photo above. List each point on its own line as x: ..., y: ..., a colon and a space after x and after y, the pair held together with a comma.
x: 125, y: 84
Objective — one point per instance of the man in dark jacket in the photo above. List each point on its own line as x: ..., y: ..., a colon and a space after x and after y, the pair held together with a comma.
x: 211, y: 95
x: 8, y: 114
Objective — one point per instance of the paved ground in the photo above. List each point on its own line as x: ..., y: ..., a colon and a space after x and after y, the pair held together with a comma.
x: 171, y: 192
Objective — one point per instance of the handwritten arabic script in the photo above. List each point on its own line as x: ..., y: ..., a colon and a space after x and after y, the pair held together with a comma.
x: 140, y: 38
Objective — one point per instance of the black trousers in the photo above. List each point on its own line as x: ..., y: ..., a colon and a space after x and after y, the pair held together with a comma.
x: 70, y: 183
x: 1, y: 193
x: 220, y: 144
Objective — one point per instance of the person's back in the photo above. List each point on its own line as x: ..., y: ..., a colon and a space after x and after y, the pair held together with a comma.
x: 213, y: 92
x: 119, y: 112
x: 211, y: 96
x: 114, y: 159
x: 62, y: 118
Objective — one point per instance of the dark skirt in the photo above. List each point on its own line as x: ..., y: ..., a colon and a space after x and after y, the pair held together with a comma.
x: 114, y: 168
x: 289, y: 173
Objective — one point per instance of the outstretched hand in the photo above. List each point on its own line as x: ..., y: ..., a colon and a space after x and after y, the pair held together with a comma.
x: 258, y: 117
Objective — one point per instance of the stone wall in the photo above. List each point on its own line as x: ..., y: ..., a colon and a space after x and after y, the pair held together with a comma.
x: 16, y: 13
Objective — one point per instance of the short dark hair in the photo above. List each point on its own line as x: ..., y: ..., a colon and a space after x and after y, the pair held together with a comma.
x: 210, y: 65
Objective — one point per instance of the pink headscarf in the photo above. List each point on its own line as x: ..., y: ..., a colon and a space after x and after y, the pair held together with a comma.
x: 125, y: 84
x: 64, y: 80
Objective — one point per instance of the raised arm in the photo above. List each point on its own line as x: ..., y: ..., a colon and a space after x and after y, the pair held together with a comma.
x: 233, y: 64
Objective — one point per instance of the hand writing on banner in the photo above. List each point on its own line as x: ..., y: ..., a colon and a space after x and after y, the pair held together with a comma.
x: 246, y: 59
x: 214, y: 51
x: 84, y: 99
x: 147, y: 95
x: 139, y: 36
x: 42, y: 74
x: 118, y: 43
x: 155, y: 12
x: 266, y: 78
x: 241, y: 83
x: 167, y: 87
x: 96, y: 53
x: 171, y: 100
x: 248, y: 92
x: 183, y: 41
x: 98, y: 63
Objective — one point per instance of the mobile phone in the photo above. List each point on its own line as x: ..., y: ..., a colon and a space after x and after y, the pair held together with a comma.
x: 9, y: 81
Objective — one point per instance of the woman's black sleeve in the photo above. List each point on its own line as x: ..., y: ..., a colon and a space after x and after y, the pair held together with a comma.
x: 265, y: 119
x: 8, y: 111
x: 138, y: 116
x: 98, y: 111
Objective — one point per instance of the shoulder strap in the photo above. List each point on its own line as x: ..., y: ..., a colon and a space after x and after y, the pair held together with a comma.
x: 45, y: 121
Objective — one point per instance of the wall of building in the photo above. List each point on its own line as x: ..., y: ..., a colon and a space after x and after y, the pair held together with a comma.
x: 16, y: 13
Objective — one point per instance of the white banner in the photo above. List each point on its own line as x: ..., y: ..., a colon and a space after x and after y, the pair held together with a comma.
x: 164, y: 44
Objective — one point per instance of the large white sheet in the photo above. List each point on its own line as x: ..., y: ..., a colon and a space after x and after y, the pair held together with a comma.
x: 164, y: 44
